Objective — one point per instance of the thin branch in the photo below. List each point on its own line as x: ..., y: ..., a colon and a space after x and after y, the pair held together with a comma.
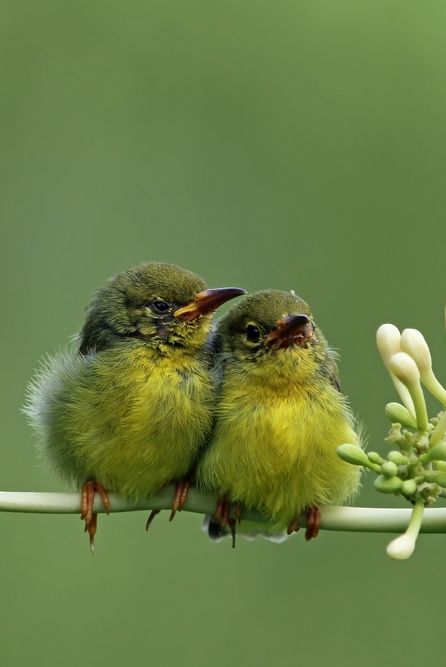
x: 352, y: 519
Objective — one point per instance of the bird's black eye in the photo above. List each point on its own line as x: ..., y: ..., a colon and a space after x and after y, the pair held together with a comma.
x: 252, y: 333
x: 160, y: 306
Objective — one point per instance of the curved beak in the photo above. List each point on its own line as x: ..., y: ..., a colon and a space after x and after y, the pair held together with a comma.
x: 207, y: 301
x: 291, y: 330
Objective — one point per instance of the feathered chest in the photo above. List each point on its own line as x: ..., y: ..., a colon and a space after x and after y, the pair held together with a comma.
x: 275, y: 431
x: 141, y: 395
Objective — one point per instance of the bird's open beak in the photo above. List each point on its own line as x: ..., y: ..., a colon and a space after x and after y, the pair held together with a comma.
x: 291, y: 330
x: 207, y: 301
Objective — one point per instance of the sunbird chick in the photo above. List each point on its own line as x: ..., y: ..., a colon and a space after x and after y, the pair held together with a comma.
x: 280, y: 416
x: 130, y: 409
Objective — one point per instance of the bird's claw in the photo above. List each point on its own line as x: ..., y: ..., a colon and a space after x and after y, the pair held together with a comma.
x: 313, y: 516
x: 88, y: 492
x: 293, y: 526
x: 223, y: 516
x: 221, y: 513
x: 182, y: 489
x: 150, y: 518
x: 313, y: 523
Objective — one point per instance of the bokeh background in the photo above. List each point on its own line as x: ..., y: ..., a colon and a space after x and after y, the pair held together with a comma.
x: 292, y: 144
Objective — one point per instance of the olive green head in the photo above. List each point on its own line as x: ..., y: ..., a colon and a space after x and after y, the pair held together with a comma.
x: 157, y: 304
x: 273, y: 327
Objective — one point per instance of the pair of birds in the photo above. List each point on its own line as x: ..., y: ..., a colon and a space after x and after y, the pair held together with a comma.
x: 154, y: 392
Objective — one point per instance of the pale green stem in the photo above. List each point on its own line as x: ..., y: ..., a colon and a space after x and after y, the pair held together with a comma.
x: 352, y: 519
x: 373, y: 466
x: 438, y: 431
x: 420, y: 406
x: 403, y: 393
x: 416, y: 520
x: 436, y: 389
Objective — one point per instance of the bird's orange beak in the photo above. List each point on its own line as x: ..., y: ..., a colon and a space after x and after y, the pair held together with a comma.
x: 291, y: 330
x: 207, y: 301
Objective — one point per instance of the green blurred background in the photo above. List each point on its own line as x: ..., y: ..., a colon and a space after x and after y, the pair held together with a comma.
x: 292, y: 144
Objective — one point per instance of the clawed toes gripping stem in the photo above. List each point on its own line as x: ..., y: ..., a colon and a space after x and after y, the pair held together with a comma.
x: 88, y: 492
x: 223, y: 512
x: 313, y: 516
x: 293, y: 526
x: 313, y: 523
x: 182, y: 489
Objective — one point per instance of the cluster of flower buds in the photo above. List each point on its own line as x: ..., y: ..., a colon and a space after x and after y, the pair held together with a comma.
x: 416, y: 466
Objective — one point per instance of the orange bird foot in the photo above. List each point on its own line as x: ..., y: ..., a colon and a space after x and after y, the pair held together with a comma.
x: 182, y: 489
x: 313, y: 523
x: 88, y: 492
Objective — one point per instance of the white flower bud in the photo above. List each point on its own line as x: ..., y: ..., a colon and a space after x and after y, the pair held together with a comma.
x: 404, y: 368
x: 402, y: 547
x: 388, y: 339
x: 406, y: 372
x: 414, y: 343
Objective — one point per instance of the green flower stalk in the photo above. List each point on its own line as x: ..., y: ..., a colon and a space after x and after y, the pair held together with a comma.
x: 439, y: 431
x: 406, y: 370
x: 435, y: 453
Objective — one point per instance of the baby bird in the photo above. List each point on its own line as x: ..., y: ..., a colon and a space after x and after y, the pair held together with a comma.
x: 280, y: 416
x: 130, y: 409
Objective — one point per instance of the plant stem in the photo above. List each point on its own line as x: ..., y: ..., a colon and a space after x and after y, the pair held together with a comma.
x: 351, y: 519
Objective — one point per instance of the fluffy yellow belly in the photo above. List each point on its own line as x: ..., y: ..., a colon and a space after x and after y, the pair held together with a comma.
x: 279, y: 454
x: 132, y: 422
